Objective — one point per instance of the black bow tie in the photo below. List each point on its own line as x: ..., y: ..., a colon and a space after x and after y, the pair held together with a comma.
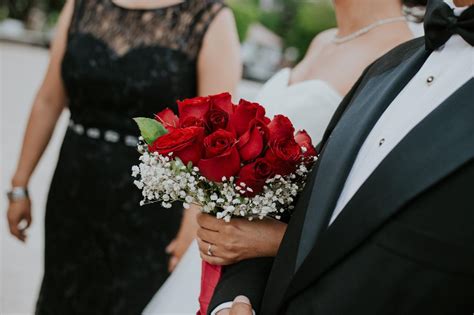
x: 441, y: 24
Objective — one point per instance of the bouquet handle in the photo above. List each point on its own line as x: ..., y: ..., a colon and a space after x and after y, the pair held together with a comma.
x: 210, y: 277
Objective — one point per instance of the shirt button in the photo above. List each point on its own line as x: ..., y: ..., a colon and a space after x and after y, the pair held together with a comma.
x: 381, y: 142
x: 430, y: 80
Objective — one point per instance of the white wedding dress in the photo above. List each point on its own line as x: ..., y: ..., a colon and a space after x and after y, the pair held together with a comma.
x: 309, y: 105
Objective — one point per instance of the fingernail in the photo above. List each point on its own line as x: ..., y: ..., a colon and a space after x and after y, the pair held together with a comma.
x: 242, y: 299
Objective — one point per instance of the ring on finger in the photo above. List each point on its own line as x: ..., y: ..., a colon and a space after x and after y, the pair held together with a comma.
x: 209, y: 250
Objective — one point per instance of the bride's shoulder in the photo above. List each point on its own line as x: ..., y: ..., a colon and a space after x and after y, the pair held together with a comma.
x: 322, y: 40
x: 313, y: 54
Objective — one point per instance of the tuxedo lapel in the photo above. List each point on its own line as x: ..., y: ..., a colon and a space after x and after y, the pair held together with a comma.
x: 409, y: 170
x: 344, y: 143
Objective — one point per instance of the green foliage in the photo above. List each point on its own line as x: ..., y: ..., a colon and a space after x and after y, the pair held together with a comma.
x: 310, y: 19
x: 297, y: 22
x: 53, y: 18
x: 246, y: 12
x: 19, y: 9
x: 3, y: 13
x: 272, y: 21
x: 150, y: 129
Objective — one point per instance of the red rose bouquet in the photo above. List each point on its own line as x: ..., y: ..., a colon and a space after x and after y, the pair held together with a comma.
x: 231, y: 160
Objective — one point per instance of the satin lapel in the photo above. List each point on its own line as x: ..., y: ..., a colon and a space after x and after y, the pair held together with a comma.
x: 409, y: 170
x: 345, y: 141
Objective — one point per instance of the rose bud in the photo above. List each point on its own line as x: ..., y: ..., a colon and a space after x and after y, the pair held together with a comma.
x: 223, y: 102
x: 304, y: 141
x: 244, y: 113
x: 280, y: 128
x: 252, y: 143
x: 221, y: 109
x: 197, y: 107
x: 255, y: 175
x: 167, y: 118
x: 184, y: 143
x: 221, y: 157
x: 284, y: 156
x: 217, y: 119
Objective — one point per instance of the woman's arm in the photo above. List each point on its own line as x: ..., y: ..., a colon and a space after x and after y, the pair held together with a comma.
x: 219, y: 70
x: 219, y: 63
x: 47, y: 107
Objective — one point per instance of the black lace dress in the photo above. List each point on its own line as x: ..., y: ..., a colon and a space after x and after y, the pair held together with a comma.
x: 104, y: 254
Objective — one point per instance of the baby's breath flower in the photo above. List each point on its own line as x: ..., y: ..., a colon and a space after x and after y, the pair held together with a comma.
x: 166, y: 180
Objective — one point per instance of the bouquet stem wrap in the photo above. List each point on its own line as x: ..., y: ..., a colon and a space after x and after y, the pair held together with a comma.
x: 210, y: 277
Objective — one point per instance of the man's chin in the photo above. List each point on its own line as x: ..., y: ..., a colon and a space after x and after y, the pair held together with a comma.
x: 463, y: 3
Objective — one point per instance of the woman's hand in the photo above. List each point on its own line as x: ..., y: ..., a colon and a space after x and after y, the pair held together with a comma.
x: 186, y: 234
x: 19, y: 218
x: 238, y: 239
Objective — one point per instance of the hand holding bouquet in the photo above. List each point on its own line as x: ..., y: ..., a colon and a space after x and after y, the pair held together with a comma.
x: 231, y: 160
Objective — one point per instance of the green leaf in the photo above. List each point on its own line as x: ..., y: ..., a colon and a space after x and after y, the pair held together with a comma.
x: 150, y: 129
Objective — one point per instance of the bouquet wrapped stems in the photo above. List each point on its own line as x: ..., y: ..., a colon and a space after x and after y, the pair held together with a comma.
x: 210, y: 276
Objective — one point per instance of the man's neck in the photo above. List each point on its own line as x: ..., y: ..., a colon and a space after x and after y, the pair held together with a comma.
x: 463, y: 3
x: 354, y: 15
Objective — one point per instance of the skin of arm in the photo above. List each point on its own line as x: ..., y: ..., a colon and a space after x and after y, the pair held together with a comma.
x: 219, y: 70
x: 47, y: 107
x: 238, y: 239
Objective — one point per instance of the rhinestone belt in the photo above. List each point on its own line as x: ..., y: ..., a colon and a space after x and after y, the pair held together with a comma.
x: 103, y: 134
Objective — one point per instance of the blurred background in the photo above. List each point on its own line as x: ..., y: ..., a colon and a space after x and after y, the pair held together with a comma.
x: 273, y: 33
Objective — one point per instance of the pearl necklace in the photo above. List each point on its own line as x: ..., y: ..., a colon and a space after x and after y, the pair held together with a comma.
x: 368, y: 28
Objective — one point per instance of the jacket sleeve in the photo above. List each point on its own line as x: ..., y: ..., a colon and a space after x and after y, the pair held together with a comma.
x: 248, y: 277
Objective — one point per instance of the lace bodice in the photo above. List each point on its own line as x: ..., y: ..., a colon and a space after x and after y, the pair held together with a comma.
x: 121, y: 63
x: 179, y: 27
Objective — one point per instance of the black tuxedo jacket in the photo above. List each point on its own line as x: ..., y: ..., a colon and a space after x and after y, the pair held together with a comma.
x: 404, y: 244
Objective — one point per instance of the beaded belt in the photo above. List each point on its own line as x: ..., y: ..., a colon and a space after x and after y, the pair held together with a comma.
x: 103, y: 134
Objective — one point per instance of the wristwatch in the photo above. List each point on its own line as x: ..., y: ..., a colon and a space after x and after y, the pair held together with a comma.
x: 17, y: 194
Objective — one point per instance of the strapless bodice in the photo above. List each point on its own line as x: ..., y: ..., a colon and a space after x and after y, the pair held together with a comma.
x: 309, y: 104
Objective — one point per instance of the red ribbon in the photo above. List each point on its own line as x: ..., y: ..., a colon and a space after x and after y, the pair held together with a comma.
x: 210, y: 277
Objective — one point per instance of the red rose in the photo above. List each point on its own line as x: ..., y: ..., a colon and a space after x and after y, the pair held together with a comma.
x: 221, y: 109
x: 244, y: 113
x: 303, y: 137
x: 223, y: 102
x: 217, y: 119
x: 221, y: 157
x: 306, y: 144
x: 280, y: 128
x: 185, y: 143
x: 252, y: 143
x: 194, y: 107
x: 167, y: 118
x: 284, y: 155
x: 255, y: 175
x: 192, y: 121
